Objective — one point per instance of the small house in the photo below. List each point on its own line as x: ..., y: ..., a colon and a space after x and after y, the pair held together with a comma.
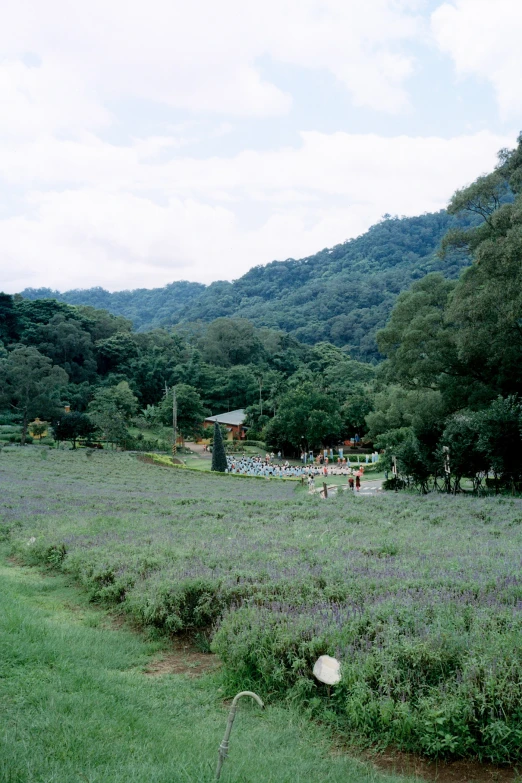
x: 233, y: 421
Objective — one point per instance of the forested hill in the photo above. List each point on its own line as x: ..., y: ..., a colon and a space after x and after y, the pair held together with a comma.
x: 342, y: 295
x: 145, y: 307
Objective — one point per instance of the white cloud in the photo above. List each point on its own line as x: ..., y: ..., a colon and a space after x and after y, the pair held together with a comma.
x: 203, y: 55
x: 484, y: 40
x: 87, y: 211
x: 125, y: 222
x: 46, y: 99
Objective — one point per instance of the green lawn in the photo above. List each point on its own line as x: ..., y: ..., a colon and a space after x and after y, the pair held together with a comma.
x: 77, y: 706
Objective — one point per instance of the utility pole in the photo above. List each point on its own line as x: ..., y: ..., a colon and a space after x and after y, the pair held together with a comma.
x: 174, y: 421
x: 447, y: 468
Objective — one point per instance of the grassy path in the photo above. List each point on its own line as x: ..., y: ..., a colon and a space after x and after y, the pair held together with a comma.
x: 77, y: 705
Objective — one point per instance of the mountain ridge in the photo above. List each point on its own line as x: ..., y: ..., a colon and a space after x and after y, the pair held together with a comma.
x: 342, y: 294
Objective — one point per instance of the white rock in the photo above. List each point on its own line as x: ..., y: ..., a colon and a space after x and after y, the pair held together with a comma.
x: 327, y: 670
x: 32, y: 540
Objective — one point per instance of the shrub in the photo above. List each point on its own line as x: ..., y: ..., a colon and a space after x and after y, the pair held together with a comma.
x: 443, y: 683
x: 219, y: 460
x: 18, y: 439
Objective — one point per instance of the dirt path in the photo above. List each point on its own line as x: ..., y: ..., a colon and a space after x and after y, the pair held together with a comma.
x: 370, y: 487
x: 199, y: 449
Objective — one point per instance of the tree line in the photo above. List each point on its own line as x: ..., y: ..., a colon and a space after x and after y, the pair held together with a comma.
x: 449, y: 406
x: 52, y: 354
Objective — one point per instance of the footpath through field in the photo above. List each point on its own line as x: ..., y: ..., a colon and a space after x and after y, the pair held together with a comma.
x: 369, y: 487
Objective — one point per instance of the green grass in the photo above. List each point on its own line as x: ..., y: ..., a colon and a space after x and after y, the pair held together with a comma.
x: 419, y: 597
x: 77, y: 706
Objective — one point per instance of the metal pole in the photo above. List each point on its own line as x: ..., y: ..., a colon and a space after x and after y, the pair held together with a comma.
x: 223, y: 748
x: 174, y: 420
x: 447, y: 468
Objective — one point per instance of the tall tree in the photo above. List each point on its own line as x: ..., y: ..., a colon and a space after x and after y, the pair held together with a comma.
x: 73, y: 425
x: 8, y: 319
x: 119, y: 398
x: 486, y: 306
x: 111, y: 409
x: 306, y: 418
x: 30, y: 385
x: 219, y: 458
x: 190, y: 411
x: 230, y: 341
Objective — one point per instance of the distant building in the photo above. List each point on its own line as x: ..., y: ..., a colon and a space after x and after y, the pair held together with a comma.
x: 233, y: 421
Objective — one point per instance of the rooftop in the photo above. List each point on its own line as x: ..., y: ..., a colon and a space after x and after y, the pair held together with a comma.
x: 232, y: 418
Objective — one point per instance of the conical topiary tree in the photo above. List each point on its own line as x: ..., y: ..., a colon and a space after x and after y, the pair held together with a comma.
x: 219, y: 459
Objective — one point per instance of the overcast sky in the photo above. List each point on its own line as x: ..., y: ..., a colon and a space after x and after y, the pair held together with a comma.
x: 146, y: 142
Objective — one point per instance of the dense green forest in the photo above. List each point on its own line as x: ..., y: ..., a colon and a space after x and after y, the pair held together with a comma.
x: 449, y: 406
x: 342, y: 295
x: 444, y: 402
x: 147, y: 308
x: 52, y: 353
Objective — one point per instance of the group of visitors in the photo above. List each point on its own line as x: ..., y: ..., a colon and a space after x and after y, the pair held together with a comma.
x: 262, y: 466
x: 326, y: 457
x: 353, y: 475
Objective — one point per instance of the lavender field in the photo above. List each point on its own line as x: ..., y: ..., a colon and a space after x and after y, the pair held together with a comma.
x: 420, y: 597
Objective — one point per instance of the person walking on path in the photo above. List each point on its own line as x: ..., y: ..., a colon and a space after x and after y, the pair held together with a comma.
x: 357, y: 483
x: 350, y: 482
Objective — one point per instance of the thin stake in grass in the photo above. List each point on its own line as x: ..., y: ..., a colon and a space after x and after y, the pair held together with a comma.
x: 223, y: 748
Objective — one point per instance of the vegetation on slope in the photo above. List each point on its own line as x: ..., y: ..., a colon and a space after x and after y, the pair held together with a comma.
x: 147, y: 308
x: 341, y: 295
x: 454, y: 349
x: 119, y: 377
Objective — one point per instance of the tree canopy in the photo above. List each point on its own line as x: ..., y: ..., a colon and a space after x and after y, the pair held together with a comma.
x: 30, y: 384
x: 456, y: 346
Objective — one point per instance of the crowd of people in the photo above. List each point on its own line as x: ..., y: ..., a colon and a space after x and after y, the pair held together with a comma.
x: 271, y: 466
x: 326, y: 457
x: 262, y: 466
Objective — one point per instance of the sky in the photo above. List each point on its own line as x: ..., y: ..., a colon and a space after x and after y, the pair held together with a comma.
x: 147, y: 142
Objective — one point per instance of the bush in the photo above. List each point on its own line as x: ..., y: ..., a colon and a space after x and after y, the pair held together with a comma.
x: 162, y: 459
x: 9, y: 419
x: 9, y: 429
x: 18, y: 439
x: 443, y: 682
x: 394, y: 484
